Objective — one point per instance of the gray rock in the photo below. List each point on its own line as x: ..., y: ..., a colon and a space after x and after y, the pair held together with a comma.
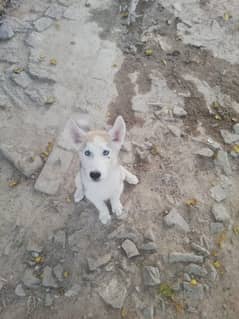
x: 47, y: 279
x: 73, y: 291
x: 193, y: 292
x: 236, y: 128
x: 21, y: 79
x: 122, y: 233
x: 220, y: 213
x: 19, y: 291
x: 213, y: 144
x: 130, y: 248
x: 49, y: 300
x: 54, y: 11
x: 151, y: 276
x: 113, y: 292
x: 34, y: 39
x: 148, y: 312
x: 93, y: 263
x: 196, y: 270
x: 185, y: 258
x: 3, y: 102
x: 175, y: 219
x: 175, y: 130
x: 58, y: 272
x: 205, y: 152
x: 149, y: 247
x: 149, y: 234
x: 29, y: 280
x: 53, y: 173
x: 218, y: 193
x: 212, y: 273
x: 228, y: 137
x: 42, y: 24
x: 203, y: 251
x: 72, y: 13
x: 186, y: 277
x: 6, y: 31
x: 179, y: 111
x: 216, y: 228
x: 74, y: 240
x: 60, y: 238
x: 223, y: 163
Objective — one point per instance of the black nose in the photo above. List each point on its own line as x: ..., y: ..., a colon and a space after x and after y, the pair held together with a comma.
x: 95, y: 175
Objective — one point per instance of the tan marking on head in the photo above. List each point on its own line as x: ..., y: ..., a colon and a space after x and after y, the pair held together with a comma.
x: 92, y: 135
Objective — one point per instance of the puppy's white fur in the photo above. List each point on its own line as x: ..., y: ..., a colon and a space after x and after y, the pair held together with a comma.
x: 99, y: 152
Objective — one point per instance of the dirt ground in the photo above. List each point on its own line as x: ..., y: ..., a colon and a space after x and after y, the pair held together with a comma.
x: 170, y: 68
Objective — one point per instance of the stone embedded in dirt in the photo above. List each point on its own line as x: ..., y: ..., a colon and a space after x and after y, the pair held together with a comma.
x: 175, y: 219
x: 218, y: 193
x: 42, y: 24
x: 73, y: 291
x: 49, y: 300
x: 175, y: 130
x: 149, y: 248
x: 94, y: 263
x: 21, y: 79
x: 19, y: 291
x: 54, y: 11
x: 236, y: 128
x: 228, y: 137
x: 196, y: 270
x: 220, y: 213
x: 53, y: 173
x: 58, y: 272
x: 185, y: 258
x: 122, y: 233
x: 213, y: 144
x: 47, y: 278
x: 113, y: 292
x: 200, y: 249
x: 60, y: 238
x: 26, y: 162
x: 205, y: 152
x: 151, y: 276
x: 6, y: 31
x: 149, y: 234
x: 223, y: 163
x: 130, y: 248
x: 29, y: 280
x: 179, y: 111
x: 212, y: 272
x: 193, y: 292
x: 186, y: 277
x: 216, y: 228
x: 148, y: 312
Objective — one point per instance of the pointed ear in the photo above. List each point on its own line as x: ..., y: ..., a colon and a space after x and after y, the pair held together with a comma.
x: 76, y: 132
x: 118, y: 131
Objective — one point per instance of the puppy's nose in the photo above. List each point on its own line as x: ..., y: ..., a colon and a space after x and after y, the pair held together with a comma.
x: 95, y: 175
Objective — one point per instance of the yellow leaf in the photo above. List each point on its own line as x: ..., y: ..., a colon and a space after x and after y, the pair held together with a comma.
x: 235, y: 148
x: 66, y: 274
x: 164, y: 62
x: 13, y: 183
x: 218, y: 117
x: 125, y: 14
x: 124, y: 312
x: 44, y: 154
x: 217, y: 264
x: 49, y: 147
x: 50, y: 100
x: 148, y: 52
x: 236, y: 230
x: 154, y: 150
x: 114, y: 65
x: 18, y: 70
x: 194, y: 282
x: 191, y: 202
x: 220, y: 240
x: 68, y: 199
x: 39, y: 260
x: 226, y: 16
x: 215, y: 105
x: 53, y: 61
x: 214, y: 253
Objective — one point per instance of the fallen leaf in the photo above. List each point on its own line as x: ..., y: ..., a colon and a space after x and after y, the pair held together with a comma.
x: 148, y: 52
x: 235, y: 148
x: 191, y: 202
x: 53, y: 61
x: 214, y: 253
x: 68, y: 199
x: 154, y: 150
x: 44, y: 154
x: 226, y: 16
x: 215, y: 105
x: 194, y: 282
x: 221, y: 239
x: 13, y: 183
x: 66, y: 274
x: 236, y: 230
x: 39, y: 260
x: 18, y: 70
x: 124, y: 312
x: 218, y: 117
x: 217, y: 264
x: 166, y: 291
x: 125, y: 14
x: 164, y: 62
x: 49, y: 147
x: 50, y: 100
x: 114, y: 65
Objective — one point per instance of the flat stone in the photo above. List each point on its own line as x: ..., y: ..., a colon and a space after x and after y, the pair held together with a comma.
x: 60, y: 238
x: 54, y: 11
x: 196, y: 270
x: 213, y: 144
x: 149, y: 234
x: 220, y: 213
x: 174, y: 219
x: 41, y: 72
x: 53, y: 173
x: 216, y: 228
x: 49, y: 300
x: 149, y: 247
x: 42, y: 24
x: 236, y: 128
x: 113, y: 292
x: 25, y: 161
x: 58, y: 272
x: 193, y: 292
x: 186, y: 277
x: 130, y: 248
x: 122, y: 233
x: 228, y: 137
x: 151, y: 276
x: 72, y: 13
x: 29, y: 280
x: 179, y: 111
x: 218, y: 193
x: 34, y: 39
x: 73, y: 291
x: 200, y: 249
x: 205, y: 152
x: 175, y: 130
x: 223, y: 163
x: 19, y: 291
x: 212, y: 273
x: 185, y: 258
x: 21, y: 79
x: 93, y: 264
x: 6, y: 31
x: 47, y: 278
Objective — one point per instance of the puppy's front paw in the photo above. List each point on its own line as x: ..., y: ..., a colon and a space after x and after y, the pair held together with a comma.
x: 117, y: 208
x: 78, y: 196
x: 105, y: 218
x: 133, y: 179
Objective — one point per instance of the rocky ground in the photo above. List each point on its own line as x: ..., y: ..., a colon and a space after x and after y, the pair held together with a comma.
x: 171, y: 69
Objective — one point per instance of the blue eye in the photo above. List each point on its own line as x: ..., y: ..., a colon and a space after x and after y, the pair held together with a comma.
x: 106, y: 152
x: 87, y: 153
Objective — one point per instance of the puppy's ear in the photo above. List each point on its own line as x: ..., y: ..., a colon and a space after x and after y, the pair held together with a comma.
x: 76, y: 132
x: 118, y: 131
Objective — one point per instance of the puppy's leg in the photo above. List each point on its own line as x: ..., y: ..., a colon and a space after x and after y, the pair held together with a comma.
x: 116, y: 205
x: 79, y: 193
x: 104, y: 214
x: 129, y: 177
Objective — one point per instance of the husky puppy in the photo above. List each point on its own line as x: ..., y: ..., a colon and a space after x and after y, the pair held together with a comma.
x: 101, y: 177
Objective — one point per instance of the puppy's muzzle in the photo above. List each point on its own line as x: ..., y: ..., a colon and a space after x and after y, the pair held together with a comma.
x: 95, y: 175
